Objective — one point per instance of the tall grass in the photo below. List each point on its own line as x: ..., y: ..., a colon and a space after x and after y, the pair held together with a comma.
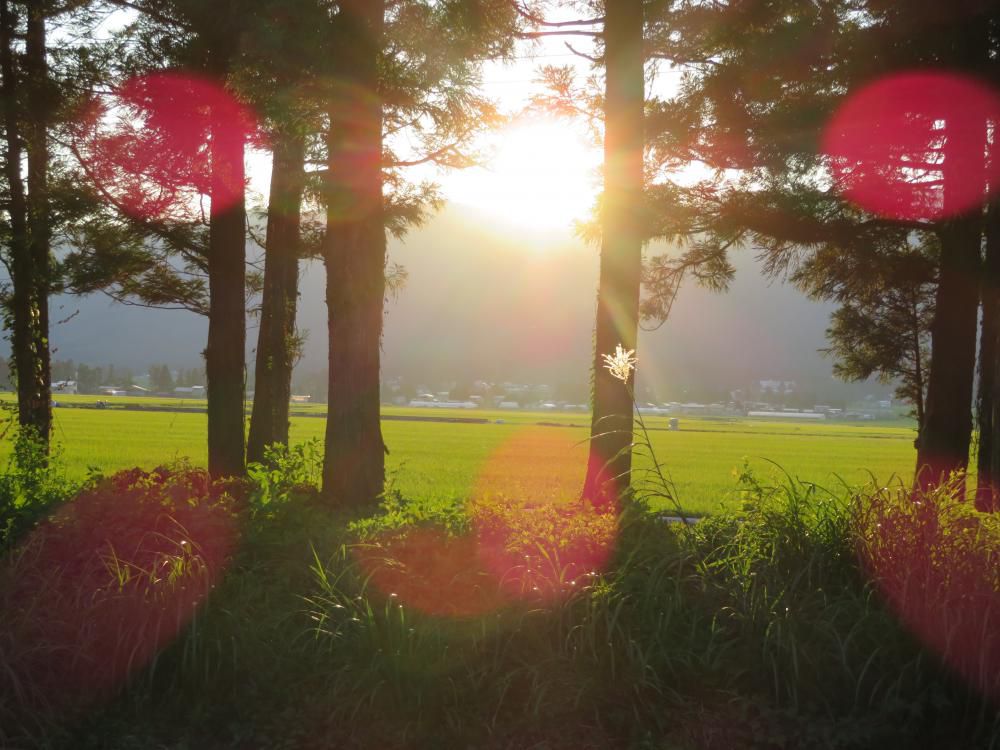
x: 792, y: 622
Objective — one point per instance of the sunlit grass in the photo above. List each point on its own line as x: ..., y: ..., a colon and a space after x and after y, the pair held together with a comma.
x: 446, y: 463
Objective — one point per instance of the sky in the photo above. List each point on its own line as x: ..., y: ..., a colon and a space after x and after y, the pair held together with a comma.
x: 542, y: 172
x: 545, y: 170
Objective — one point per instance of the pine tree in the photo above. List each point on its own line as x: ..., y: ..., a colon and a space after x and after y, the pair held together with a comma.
x: 610, y: 461
x: 765, y: 80
x: 27, y: 110
x: 406, y: 70
x: 206, y: 40
x: 287, y: 52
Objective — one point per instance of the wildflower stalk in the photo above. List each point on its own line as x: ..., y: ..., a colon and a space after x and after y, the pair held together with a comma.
x: 620, y: 365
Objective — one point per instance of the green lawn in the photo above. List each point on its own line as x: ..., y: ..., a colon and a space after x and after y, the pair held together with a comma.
x: 445, y: 463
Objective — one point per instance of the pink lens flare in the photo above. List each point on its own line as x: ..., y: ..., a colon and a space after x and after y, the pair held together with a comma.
x: 532, y: 538
x: 352, y: 184
x: 163, y: 141
x: 915, y: 146
x: 535, y: 534
x: 99, y: 589
x: 932, y: 559
x: 431, y: 572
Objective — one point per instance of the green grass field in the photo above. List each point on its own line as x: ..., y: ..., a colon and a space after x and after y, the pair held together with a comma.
x: 441, y: 463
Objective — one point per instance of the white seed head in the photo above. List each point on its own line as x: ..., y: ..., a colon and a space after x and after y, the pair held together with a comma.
x: 621, y: 363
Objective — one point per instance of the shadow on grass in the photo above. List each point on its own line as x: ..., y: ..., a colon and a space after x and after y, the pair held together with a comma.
x: 767, y: 627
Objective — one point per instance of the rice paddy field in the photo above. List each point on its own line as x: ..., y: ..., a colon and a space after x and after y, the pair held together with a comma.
x: 528, y: 454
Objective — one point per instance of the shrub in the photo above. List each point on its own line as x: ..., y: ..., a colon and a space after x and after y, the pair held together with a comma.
x: 32, y: 486
x: 285, y: 472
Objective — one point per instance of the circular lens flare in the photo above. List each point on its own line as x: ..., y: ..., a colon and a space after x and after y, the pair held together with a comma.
x: 100, y: 588
x: 532, y: 538
x: 432, y: 572
x: 915, y: 145
x: 535, y: 534
x: 933, y: 558
x: 163, y: 141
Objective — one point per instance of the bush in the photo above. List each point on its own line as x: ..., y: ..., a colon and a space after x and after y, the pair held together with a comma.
x: 285, y: 472
x: 32, y: 486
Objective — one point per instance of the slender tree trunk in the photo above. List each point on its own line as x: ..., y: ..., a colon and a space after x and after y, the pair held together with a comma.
x: 277, y: 348
x: 21, y: 265
x: 39, y: 230
x: 29, y: 217
x: 354, y: 254
x: 918, y: 362
x: 610, y: 462
x: 988, y: 484
x: 225, y: 352
x: 988, y: 405
x: 943, y: 443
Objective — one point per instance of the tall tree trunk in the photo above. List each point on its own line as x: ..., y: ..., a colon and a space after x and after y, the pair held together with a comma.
x: 354, y: 254
x: 225, y: 352
x: 277, y: 348
x: 988, y: 404
x: 40, y: 105
x: 29, y: 216
x: 943, y: 442
x: 21, y: 265
x: 610, y: 462
x: 944, y: 438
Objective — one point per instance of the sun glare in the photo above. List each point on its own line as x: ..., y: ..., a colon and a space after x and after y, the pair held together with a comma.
x: 543, y: 175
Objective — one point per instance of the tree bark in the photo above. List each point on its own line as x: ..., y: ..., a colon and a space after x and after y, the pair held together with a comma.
x: 277, y: 348
x: 29, y: 242
x: 988, y: 403
x: 21, y: 309
x: 354, y: 255
x: 39, y: 229
x: 918, y: 361
x: 610, y: 461
x: 224, y: 354
x: 945, y: 436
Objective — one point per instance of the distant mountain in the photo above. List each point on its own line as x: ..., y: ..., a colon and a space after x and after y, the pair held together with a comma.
x: 494, y: 301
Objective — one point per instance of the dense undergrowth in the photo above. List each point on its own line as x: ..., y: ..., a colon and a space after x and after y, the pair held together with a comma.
x: 162, y: 609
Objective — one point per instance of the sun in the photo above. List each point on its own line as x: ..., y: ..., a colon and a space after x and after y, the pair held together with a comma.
x: 543, y: 174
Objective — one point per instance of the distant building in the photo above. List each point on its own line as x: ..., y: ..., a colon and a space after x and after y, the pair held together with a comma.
x: 652, y: 411
x: 419, y: 403
x: 196, y: 391
x: 786, y: 415
x: 777, y: 386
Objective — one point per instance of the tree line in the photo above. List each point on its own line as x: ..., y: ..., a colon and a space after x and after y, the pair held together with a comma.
x: 126, y: 126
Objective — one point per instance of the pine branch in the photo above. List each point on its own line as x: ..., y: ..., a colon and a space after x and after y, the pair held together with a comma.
x: 542, y: 34
x: 577, y: 52
x: 539, y: 21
